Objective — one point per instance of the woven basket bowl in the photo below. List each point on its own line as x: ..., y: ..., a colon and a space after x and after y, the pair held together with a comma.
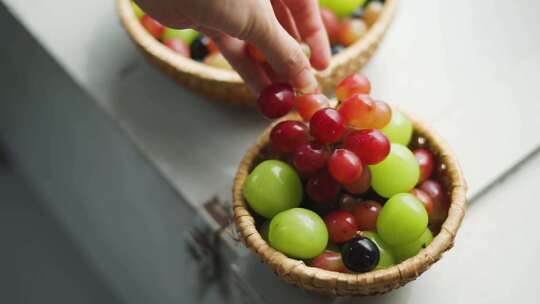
x: 374, y: 282
x: 226, y: 85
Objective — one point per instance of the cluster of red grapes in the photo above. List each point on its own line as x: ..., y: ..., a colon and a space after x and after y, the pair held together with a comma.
x: 374, y: 196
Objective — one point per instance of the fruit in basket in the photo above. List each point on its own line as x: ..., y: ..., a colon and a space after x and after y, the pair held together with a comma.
x: 370, y: 145
x: 440, y: 201
x: 360, y: 254
x: 341, y: 226
x: 298, y: 233
x: 344, y: 166
x: 351, y: 85
x: 217, y: 60
x: 424, y: 198
x: 310, y: 157
x: 350, y: 168
x: 177, y: 45
x: 137, y: 10
x: 397, y: 173
x: 273, y: 186
x: 342, y: 8
x: 399, y: 130
x: 402, y: 220
x: 359, y: 112
x: 322, y: 188
x: 288, y: 135
x: 199, y: 48
x: 372, y: 12
x: 309, y: 104
x: 361, y: 184
x: 152, y: 26
x: 386, y: 257
x: 426, y: 163
x: 406, y: 251
x: 329, y: 260
x: 186, y: 35
x: 350, y: 31
x: 327, y: 126
x: 366, y: 214
x: 276, y: 100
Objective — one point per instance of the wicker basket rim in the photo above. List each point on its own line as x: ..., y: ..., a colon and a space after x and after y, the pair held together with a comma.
x: 284, y: 265
x: 189, y: 66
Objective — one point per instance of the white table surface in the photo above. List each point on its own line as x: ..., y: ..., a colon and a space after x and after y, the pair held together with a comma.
x: 471, y: 68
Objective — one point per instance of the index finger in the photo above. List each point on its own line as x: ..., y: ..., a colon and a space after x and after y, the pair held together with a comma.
x: 308, y: 20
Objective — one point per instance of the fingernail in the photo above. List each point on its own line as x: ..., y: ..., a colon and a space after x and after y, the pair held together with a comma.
x: 306, y: 82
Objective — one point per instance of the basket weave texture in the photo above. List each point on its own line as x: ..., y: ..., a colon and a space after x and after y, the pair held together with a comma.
x: 375, y: 282
x: 227, y: 86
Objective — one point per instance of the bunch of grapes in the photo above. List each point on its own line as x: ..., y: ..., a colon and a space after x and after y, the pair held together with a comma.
x: 344, y: 192
x: 346, y: 21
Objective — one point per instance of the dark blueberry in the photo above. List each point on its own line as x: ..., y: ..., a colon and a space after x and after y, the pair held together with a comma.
x: 337, y: 48
x: 199, y: 48
x: 358, y: 14
x: 360, y: 254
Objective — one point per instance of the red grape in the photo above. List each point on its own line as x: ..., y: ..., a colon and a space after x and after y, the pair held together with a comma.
x: 287, y: 135
x: 381, y: 115
x: 310, y: 157
x: 341, y: 226
x: 372, y: 12
x: 348, y: 202
x: 212, y: 46
x: 276, y: 100
x: 178, y: 46
x: 329, y: 260
x: 351, y: 85
x: 344, y: 166
x: 322, y: 188
x: 308, y: 104
x: 255, y: 53
x: 362, y: 184
x: 424, y: 198
x: 370, y: 145
x: 327, y: 126
x: 331, y: 24
x: 426, y: 162
x: 350, y: 31
x: 358, y: 111
x: 366, y: 215
x: 153, y: 27
x: 440, y: 201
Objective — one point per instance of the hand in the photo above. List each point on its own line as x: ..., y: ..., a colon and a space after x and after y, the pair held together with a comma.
x: 266, y: 24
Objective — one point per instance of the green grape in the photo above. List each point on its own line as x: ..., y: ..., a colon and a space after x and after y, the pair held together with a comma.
x: 397, y: 173
x: 399, y: 130
x: 386, y: 258
x: 298, y: 233
x: 264, y: 229
x: 186, y: 35
x: 342, y: 8
x: 402, y: 219
x: 137, y: 10
x: 273, y: 186
x: 406, y: 251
